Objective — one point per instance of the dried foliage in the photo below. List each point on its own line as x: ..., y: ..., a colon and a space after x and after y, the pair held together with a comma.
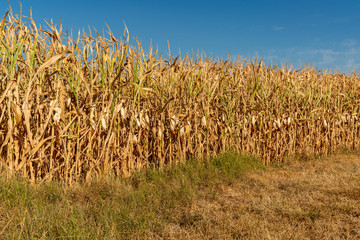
x: 75, y: 108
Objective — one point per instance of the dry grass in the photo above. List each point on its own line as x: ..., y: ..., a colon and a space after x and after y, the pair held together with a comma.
x: 75, y: 108
x: 227, y: 198
x: 305, y: 200
x: 138, y: 207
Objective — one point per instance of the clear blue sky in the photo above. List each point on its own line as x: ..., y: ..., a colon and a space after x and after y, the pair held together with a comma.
x: 325, y: 32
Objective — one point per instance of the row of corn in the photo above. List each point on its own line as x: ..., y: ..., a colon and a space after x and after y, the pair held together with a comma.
x: 79, y: 106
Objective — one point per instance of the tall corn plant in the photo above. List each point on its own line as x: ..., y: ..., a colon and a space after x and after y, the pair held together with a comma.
x: 74, y: 108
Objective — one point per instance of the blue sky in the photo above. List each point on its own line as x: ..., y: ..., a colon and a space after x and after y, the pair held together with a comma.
x: 326, y: 33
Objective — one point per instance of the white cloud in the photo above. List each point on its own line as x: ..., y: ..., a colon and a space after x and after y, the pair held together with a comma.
x: 278, y: 28
x: 326, y: 56
x: 345, y: 57
x: 349, y: 42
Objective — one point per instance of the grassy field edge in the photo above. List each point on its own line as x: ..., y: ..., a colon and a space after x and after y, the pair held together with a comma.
x: 231, y: 196
x: 127, y: 208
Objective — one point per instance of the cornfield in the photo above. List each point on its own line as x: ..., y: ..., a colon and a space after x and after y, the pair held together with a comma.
x: 73, y: 108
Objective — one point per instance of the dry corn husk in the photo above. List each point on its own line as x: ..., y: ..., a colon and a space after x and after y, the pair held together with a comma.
x: 203, y: 121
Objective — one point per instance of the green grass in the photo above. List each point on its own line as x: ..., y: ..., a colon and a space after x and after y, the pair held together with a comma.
x: 135, y: 208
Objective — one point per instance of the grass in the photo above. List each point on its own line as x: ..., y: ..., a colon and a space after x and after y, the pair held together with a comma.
x: 137, y: 207
x: 229, y: 197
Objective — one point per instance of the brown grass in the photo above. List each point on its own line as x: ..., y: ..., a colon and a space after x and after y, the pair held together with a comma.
x: 305, y: 200
x: 232, y: 197
x: 74, y: 108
